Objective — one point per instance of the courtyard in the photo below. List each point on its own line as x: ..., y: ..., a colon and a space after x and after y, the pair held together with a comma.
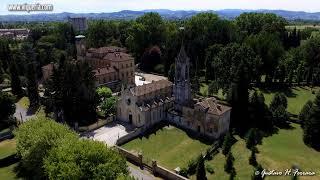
x: 170, y: 146
x: 110, y: 133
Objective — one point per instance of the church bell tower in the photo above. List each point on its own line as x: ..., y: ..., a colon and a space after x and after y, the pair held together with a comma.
x: 182, y: 86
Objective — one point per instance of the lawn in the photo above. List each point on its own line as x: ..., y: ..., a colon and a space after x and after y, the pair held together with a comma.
x: 170, y: 146
x: 278, y: 152
x: 297, y: 97
x: 7, y: 148
x: 204, y: 91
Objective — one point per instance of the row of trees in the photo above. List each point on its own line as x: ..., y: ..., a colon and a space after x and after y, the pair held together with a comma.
x: 49, y: 150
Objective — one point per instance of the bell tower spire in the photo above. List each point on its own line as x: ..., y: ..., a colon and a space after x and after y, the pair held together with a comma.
x: 182, y: 87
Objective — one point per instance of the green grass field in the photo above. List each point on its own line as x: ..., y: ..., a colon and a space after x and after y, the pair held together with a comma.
x: 278, y: 152
x: 171, y: 147
x: 7, y: 148
x: 297, y: 97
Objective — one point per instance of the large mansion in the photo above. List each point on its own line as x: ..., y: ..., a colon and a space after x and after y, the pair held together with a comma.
x: 143, y: 106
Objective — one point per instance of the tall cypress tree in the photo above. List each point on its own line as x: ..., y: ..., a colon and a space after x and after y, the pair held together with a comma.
x: 201, y: 171
x: 32, y: 86
x: 228, y: 167
x: 15, y: 80
x: 311, y: 133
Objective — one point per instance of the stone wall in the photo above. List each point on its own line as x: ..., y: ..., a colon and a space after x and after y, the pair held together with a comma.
x: 165, y: 173
x: 97, y: 125
x: 129, y: 136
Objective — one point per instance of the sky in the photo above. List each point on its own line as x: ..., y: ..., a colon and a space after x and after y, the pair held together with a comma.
x: 96, y: 6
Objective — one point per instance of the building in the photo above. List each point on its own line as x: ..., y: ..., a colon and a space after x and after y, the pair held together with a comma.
x: 112, y: 65
x: 79, y: 24
x: 143, y: 106
x: 17, y: 34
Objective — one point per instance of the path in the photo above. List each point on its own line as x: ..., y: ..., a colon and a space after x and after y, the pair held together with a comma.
x: 110, y: 133
x: 22, y: 112
x: 140, y: 174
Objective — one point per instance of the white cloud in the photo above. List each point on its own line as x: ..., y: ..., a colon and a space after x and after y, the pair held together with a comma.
x: 117, y: 5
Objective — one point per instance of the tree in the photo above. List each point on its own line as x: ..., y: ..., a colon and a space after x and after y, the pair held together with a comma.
x: 305, y: 112
x: 259, y: 113
x: 279, y: 99
x: 74, y: 93
x: 84, y: 159
x: 104, y: 92
x: 269, y: 48
x: 311, y: 54
x: 253, y: 158
x: 254, y: 23
x: 253, y: 138
x: 171, y: 73
x: 32, y: 86
x: 227, y: 143
x: 236, y: 66
x: 311, y: 125
x: 211, y: 53
x: 203, y: 30
x: 280, y: 116
x: 108, y: 106
x: 257, y: 173
x: 147, y: 31
x: 7, y: 107
x: 278, y: 108
x: 228, y: 167
x: 35, y: 138
x: 201, y: 171
x: 15, y: 80
x: 213, y: 88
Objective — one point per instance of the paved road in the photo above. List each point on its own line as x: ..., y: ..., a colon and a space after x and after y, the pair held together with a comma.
x: 139, y: 174
x: 22, y: 112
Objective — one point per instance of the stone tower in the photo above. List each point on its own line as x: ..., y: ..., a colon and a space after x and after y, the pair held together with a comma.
x: 80, y: 46
x: 182, y: 86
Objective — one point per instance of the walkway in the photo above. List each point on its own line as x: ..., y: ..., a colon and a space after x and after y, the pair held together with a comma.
x: 22, y: 114
x: 110, y: 133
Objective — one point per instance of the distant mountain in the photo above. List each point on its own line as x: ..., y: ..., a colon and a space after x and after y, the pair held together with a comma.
x: 165, y: 13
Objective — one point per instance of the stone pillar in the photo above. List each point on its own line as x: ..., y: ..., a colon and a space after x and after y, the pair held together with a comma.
x: 154, y: 166
x: 140, y: 160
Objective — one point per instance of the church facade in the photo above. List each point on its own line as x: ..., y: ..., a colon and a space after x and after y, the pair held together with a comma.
x: 143, y: 106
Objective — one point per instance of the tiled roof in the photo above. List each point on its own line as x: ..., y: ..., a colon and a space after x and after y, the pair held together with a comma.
x: 213, y: 107
x: 106, y: 70
x: 107, y: 49
x: 148, y: 88
x: 118, y: 56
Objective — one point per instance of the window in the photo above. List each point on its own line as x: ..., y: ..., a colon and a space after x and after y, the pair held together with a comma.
x: 210, y: 130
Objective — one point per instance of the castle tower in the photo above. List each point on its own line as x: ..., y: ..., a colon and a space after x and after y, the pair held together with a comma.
x: 182, y: 86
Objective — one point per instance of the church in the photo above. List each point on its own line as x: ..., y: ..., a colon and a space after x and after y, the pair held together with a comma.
x: 143, y: 106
